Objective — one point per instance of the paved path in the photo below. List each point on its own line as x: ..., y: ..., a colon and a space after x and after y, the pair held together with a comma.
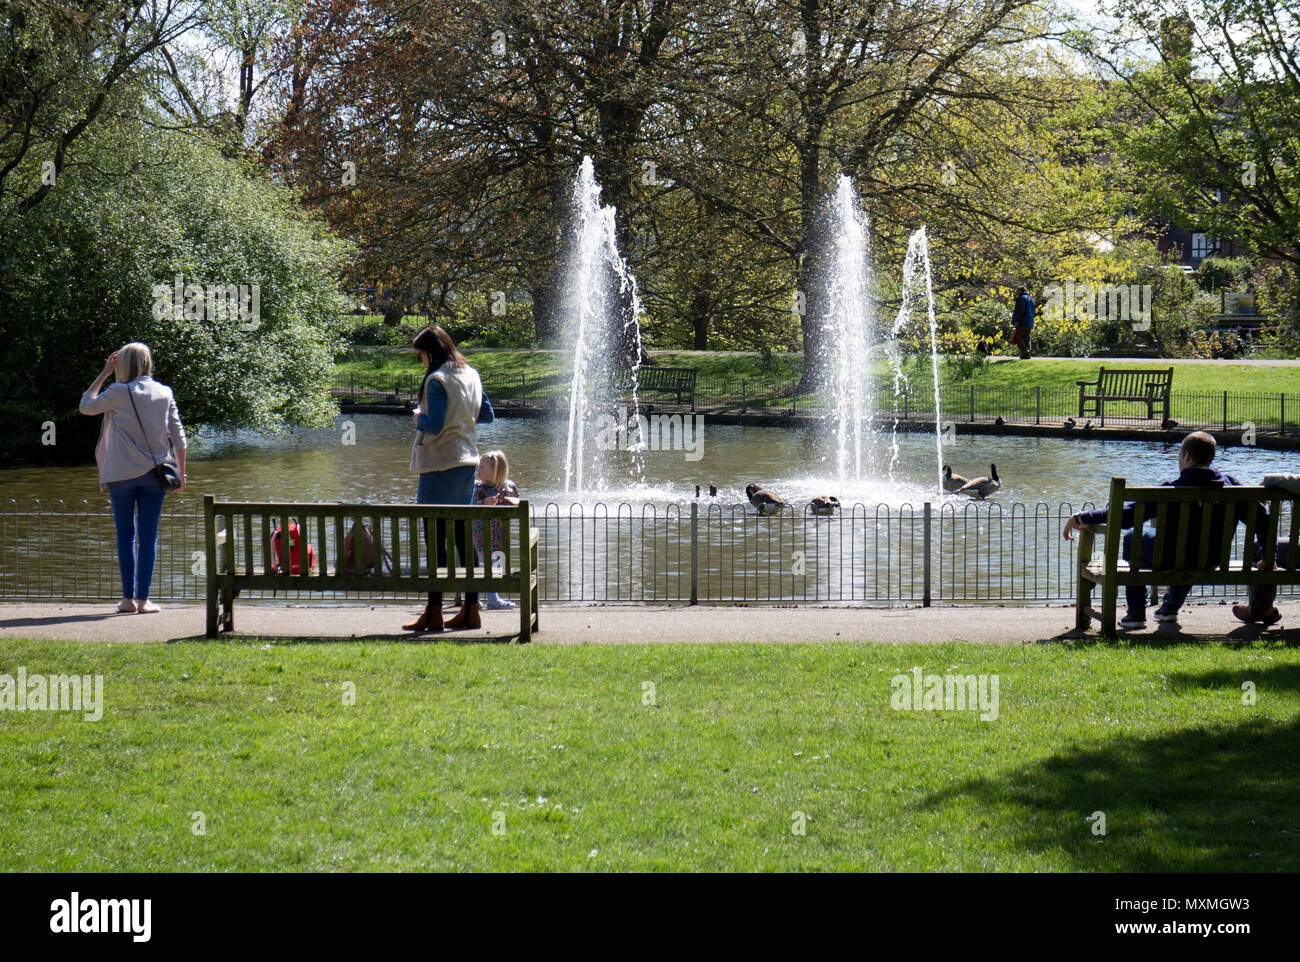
x: 624, y: 624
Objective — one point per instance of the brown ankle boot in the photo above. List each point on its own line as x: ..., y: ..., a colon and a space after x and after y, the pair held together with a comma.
x: 467, y: 617
x: 429, y: 620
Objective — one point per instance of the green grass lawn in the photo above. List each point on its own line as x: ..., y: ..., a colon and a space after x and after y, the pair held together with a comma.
x: 1236, y: 378
x: 556, y: 748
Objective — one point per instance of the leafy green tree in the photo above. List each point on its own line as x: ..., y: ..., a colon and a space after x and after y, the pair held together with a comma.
x: 88, y: 270
x: 1210, y: 115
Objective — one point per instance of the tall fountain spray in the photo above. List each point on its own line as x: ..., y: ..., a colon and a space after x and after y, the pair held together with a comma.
x: 605, y: 305
x: 916, y: 275
x: 850, y: 324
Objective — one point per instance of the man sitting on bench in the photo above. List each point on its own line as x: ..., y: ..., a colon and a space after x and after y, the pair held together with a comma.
x: 1194, y: 457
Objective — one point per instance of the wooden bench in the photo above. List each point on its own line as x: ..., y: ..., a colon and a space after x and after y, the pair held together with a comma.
x: 244, y: 529
x: 1143, y: 386
x: 1208, y: 561
x: 679, y: 381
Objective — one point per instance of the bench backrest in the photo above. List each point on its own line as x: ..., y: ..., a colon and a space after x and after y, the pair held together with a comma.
x: 1195, y: 527
x: 1135, y: 382
x: 397, y: 528
x: 658, y: 378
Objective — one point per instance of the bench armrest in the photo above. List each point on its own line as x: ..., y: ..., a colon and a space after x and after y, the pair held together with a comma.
x: 1087, y: 538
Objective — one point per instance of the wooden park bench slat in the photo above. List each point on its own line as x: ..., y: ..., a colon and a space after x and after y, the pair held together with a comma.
x: 679, y: 381
x: 1151, y: 387
x: 1207, y: 562
x: 225, y: 579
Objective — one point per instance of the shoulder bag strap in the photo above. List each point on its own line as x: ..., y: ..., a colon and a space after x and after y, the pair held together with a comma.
x: 141, y: 423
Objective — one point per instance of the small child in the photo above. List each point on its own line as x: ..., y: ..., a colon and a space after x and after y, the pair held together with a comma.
x: 493, y: 486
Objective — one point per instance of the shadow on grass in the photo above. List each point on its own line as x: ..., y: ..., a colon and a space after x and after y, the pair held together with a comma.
x: 1166, y: 636
x: 405, y: 638
x: 1218, y: 799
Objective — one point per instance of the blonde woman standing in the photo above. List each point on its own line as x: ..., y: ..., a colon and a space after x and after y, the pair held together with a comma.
x: 141, y: 428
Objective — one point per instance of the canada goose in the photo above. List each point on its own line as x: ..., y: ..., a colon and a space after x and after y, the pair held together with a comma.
x: 982, y: 487
x: 1087, y: 426
x: 952, y: 482
x: 824, y: 504
x: 713, y: 491
x: 1069, y: 424
x: 998, y: 421
x: 766, y: 501
x: 1169, y: 424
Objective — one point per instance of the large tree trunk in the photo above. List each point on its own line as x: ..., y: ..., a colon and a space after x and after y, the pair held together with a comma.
x: 811, y: 248
x: 701, y: 319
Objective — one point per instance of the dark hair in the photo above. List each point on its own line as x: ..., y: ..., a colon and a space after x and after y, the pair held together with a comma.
x: 1199, y: 447
x: 1021, y: 291
x: 437, y: 343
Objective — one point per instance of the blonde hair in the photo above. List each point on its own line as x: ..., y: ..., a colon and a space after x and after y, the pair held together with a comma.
x: 500, y: 468
x: 134, y: 360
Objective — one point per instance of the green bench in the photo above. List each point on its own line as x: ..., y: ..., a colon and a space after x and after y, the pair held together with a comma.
x: 238, y: 548
x: 1208, y: 561
x: 1128, y: 384
x: 678, y: 381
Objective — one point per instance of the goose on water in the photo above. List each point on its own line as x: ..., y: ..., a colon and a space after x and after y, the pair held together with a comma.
x: 766, y: 501
x: 982, y: 487
x: 824, y: 504
x: 952, y: 482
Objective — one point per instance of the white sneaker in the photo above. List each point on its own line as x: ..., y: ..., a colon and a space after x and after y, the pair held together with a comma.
x: 1129, y: 623
x: 1166, y: 618
x: 498, y: 604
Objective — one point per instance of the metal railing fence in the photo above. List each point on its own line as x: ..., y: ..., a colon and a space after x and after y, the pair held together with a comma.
x: 933, y: 553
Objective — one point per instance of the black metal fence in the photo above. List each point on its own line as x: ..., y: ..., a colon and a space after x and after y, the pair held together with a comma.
x: 1052, y: 406
x: 931, y: 553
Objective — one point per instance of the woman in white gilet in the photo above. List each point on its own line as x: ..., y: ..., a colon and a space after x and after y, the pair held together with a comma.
x: 445, y: 456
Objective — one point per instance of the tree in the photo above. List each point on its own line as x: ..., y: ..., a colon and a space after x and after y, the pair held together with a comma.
x: 63, y: 69
x: 882, y: 91
x: 1209, y: 96
x: 96, y: 263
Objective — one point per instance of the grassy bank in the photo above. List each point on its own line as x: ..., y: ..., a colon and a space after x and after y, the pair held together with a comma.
x: 1063, y: 374
x: 567, y: 755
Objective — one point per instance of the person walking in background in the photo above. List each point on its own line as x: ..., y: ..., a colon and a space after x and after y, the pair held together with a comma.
x: 445, y: 456
x: 141, y: 427
x: 1022, y: 322
x: 493, y: 487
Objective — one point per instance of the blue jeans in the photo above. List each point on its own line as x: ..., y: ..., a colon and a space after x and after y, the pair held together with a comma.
x: 136, y: 563
x: 1261, y: 597
x: 1136, y: 595
x: 452, y: 486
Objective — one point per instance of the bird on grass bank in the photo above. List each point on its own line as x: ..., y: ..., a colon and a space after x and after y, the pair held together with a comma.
x: 766, y: 501
x: 981, y: 488
x: 952, y: 483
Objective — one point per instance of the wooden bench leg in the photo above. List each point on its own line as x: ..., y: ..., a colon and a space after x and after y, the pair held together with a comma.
x: 228, y: 612
x: 1109, y: 597
x: 211, y: 631
x: 1083, y: 605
